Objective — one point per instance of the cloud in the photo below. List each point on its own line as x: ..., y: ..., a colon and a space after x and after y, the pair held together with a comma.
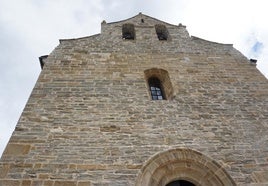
x: 257, y: 48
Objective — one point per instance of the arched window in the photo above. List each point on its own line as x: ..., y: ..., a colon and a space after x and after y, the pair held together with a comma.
x: 128, y: 32
x: 162, y: 32
x: 156, y: 88
x: 159, y: 84
x: 180, y: 183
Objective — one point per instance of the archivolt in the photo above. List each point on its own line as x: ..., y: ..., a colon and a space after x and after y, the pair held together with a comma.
x: 185, y: 164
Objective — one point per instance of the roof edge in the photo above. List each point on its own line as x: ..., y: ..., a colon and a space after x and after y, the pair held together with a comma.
x: 73, y: 39
x: 198, y: 38
x: 141, y: 14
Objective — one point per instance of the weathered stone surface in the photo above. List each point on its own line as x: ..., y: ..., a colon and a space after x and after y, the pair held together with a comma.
x: 90, y: 119
x: 9, y: 182
x: 260, y: 176
x: 65, y: 183
x: 17, y: 149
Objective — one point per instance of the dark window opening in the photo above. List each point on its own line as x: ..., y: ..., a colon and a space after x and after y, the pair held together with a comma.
x: 161, y: 32
x: 156, y: 89
x: 180, y: 183
x: 142, y: 20
x: 128, y: 32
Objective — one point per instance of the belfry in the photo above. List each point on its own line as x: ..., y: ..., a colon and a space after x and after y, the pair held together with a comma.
x: 143, y: 103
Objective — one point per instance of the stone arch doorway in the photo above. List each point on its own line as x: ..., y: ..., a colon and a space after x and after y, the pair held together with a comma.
x: 183, y: 164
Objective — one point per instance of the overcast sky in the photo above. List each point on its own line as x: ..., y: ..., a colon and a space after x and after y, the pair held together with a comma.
x: 31, y: 28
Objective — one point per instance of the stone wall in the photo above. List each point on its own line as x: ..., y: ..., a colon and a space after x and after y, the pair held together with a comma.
x: 90, y: 119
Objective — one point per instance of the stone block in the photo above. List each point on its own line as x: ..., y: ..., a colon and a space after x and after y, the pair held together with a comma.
x: 5, y: 182
x: 65, y: 183
x: 17, y: 149
x: 83, y: 183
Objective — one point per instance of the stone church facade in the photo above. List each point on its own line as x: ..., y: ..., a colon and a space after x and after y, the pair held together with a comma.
x: 142, y: 104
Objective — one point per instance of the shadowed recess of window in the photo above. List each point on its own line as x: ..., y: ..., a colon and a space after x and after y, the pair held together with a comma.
x: 161, y: 32
x: 128, y: 32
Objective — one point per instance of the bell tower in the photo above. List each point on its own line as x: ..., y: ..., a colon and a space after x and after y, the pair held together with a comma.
x: 143, y: 103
